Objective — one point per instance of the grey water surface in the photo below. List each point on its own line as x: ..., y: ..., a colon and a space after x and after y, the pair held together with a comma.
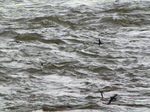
x: 51, y: 60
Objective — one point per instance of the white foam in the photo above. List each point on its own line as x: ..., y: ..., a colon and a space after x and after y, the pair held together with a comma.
x: 75, y: 3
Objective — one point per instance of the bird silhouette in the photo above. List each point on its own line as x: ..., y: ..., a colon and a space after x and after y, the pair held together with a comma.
x: 68, y: 106
x: 112, y: 99
x: 102, y: 94
x: 100, y: 42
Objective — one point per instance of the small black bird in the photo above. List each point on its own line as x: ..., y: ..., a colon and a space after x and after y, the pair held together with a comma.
x: 112, y: 99
x: 68, y: 106
x: 17, y: 41
x: 100, y: 42
x: 101, y: 94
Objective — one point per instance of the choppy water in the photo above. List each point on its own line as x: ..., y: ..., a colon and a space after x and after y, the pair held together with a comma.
x: 50, y: 59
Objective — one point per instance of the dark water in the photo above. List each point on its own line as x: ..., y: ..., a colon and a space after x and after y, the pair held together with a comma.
x: 50, y: 59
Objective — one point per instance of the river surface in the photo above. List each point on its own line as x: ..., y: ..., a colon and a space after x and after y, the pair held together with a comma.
x: 51, y: 60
